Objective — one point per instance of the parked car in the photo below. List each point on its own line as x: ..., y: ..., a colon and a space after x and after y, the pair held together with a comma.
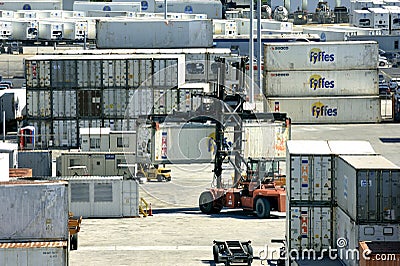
x: 394, y: 83
x: 7, y: 82
x: 384, y: 88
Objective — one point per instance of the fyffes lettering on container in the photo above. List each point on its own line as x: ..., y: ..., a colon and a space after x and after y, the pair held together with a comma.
x: 316, y: 55
x: 319, y: 109
x: 318, y: 82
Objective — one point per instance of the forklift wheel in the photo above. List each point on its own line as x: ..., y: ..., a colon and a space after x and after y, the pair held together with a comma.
x: 160, y: 178
x: 216, y: 253
x: 206, y: 202
x: 263, y: 208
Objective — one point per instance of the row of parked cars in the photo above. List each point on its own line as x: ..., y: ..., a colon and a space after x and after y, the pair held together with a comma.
x: 386, y: 87
x: 6, y: 84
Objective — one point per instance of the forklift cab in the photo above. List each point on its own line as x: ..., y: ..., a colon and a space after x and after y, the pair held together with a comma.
x: 261, y: 171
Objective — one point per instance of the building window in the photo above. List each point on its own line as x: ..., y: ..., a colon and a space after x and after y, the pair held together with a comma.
x: 122, y: 142
x: 95, y: 143
x: 396, y: 45
x: 74, y: 162
x: 103, y: 192
x: 79, y: 192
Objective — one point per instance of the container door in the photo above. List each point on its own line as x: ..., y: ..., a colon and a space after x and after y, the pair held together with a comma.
x: 130, y: 198
x: 97, y: 165
x: 368, y: 197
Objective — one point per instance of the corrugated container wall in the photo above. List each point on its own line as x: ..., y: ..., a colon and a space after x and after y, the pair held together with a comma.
x: 348, y: 234
x: 34, y: 253
x: 321, y: 55
x: 39, y: 161
x: 35, y: 211
x: 321, y: 83
x: 309, y: 227
x: 166, y: 34
x: 315, y: 110
x: 368, y: 188
x: 309, y: 172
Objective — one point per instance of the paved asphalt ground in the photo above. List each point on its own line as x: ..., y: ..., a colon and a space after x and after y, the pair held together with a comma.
x: 178, y: 234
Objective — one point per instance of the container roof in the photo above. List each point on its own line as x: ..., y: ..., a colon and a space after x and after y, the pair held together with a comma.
x: 350, y: 147
x: 308, y: 147
x: 47, y: 244
x: 95, y: 131
x: 361, y: 162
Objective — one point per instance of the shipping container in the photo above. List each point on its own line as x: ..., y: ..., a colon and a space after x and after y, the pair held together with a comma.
x: 27, y: 14
x: 38, y: 103
x: 322, y: 110
x: 165, y: 101
x: 328, y: 34
x: 108, y: 6
x: 43, y: 136
x: 89, y: 73
x: 140, y: 72
x: 379, y: 253
x: 117, y: 124
x: 89, y: 103
x: 24, y: 29
x: 95, y: 163
x: 12, y: 150
x: 13, y: 102
x: 4, y: 163
x: 90, y: 123
x: 146, y: 6
x: 225, y: 27
x: 321, y: 83
x: 40, y: 161
x: 34, y: 253
x: 6, y: 29
x: 351, y: 147
x: 64, y: 103
x: 189, y: 96
x: 309, y: 172
x: 63, y: 73
x: 65, y: 133
x: 114, y: 73
x: 348, y: 234
x: 75, y: 29
x: 35, y: 211
x: 50, y: 30
x: 32, y: 5
x: 7, y: 14
x: 166, y: 33
x: 321, y: 55
x: 368, y: 188
x: 380, y: 18
x: 394, y: 19
x: 140, y: 102
x: 109, y: 14
x: 114, y: 102
x: 37, y: 74
x: 309, y: 227
x: 362, y: 18
x: 212, y: 8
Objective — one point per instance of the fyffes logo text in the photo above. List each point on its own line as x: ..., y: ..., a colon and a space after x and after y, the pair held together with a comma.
x: 319, y: 109
x: 318, y: 82
x: 317, y: 55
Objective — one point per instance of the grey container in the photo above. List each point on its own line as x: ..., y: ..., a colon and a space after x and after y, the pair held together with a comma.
x: 321, y: 55
x: 309, y: 172
x: 12, y: 150
x: 34, y: 211
x: 34, y: 253
x: 368, y: 188
x: 165, y: 33
x: 39, y: 161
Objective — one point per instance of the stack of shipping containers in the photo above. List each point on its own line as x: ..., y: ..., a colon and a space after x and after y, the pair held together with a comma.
x: 309, y: 196
x: 35, y: 226
x: 69, y: 92
x: 324, y: 82
x: 367, y: 192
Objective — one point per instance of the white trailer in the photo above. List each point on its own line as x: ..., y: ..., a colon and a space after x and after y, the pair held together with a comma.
x: 50, y: 30
x: 25, y: 29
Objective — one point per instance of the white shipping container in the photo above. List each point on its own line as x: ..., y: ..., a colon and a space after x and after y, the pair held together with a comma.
x: 106, y: 6
x: 309, y: 172
x: 34, y: 253
x: 37, y: 73
x: 166, y: 73
x: 349, y: 233
x: 380, y: 18
x: 92, y: 123
x: 394, y: 17
x: 89, y: 73
x: 320, y: 55
x: 117, y: 124
x: 140, y: 72
x: 64, y: 103
x: 6, y: 29
x: 351, y: 147
x: 166, y: 33
x: 65, y: 133
x: 4, y: 164
x: 42, y: 133
x: 31, y: 5
x: 114, y: 73
x: 328, y: 34
x: 7, y: 14
x: 38, y: 103
x: 368, y: 188
x: 309, y: 227
x: 51, y: 30
x: 35, y: 211
x: 224, y: 27
x: 25, y: 29
x: 321, y: 83
x: 114, y: 102
x: 165, y: 101
x: 140, y: 102
x: 212, y: 8
x: 363, y: 19
x: 75, y: 29
x: 272, y: 24
x: 316, y: 110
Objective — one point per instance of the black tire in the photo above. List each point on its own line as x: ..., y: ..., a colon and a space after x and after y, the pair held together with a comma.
x: 262, y: 208
x: 206, y: 202
x: 217, y: 209
x: 160, y: 178
x: 74, y: 242
x: 216, y: 253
